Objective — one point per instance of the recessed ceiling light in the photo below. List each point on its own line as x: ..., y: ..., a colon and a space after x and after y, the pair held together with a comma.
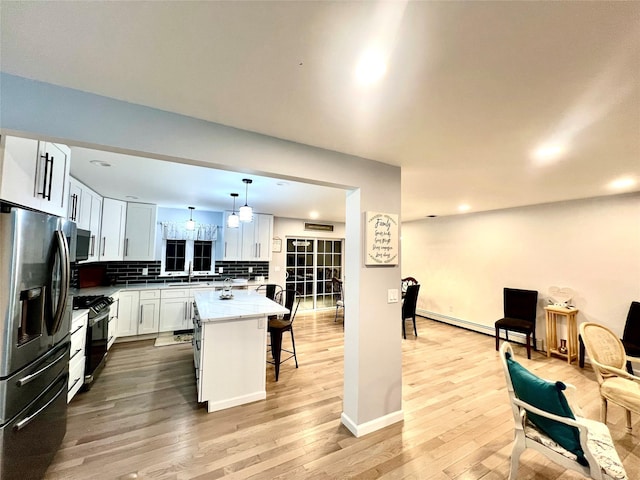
x: 100, y: 163
x: 548, y: 152
x: 622, y: 183
x: 313, y: 215
x: 464, y: 207
x: 371, y: 68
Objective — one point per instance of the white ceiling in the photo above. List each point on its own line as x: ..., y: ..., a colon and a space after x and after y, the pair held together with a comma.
x: 472, y: 88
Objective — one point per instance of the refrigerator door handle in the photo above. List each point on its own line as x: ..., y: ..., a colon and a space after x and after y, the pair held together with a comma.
x: 63, y: 251
x: 24, y: 380
x: 26, y: 421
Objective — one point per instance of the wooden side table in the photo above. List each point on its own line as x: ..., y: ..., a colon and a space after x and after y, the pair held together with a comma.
x: 553, y: 314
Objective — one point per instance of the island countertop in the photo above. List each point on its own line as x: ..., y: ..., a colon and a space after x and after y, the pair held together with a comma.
x: 244, y: 304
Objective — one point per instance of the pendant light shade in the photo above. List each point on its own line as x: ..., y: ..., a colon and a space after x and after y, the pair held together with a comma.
x: 246, y: 212
x: 190, y: 225
x: 233, y: 221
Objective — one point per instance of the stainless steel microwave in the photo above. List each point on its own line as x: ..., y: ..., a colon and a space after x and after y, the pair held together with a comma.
x: 83, y: 242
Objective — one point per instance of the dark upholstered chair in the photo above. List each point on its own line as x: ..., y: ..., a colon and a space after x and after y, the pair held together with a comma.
x: 519, y: 315
x: 631, y: 335
x: 277, y: 326
x: 409, y: 308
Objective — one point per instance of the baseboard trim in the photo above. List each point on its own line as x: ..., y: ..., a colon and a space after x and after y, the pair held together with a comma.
x: 372, y: 425
x: 476, y: 327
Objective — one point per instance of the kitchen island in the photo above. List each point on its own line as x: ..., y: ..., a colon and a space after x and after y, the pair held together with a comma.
x: 229, y: 347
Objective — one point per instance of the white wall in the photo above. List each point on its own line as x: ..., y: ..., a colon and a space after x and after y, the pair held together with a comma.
x: 373, y: 361
x: 464, y: 261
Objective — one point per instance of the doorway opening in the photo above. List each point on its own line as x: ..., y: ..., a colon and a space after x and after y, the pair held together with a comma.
x: 311, y: 264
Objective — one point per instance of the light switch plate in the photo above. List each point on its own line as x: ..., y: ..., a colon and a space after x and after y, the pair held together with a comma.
x: 392, y: 295
x: 220, y: 269
x: 250, y: 269
x: 145, y: 270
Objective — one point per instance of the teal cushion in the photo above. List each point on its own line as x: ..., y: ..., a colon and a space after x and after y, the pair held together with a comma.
x: 546, y: 396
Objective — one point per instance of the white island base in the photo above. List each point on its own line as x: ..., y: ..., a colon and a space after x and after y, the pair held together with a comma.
x: 230, y: 347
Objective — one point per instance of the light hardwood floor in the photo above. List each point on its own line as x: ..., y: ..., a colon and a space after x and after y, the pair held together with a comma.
x: 141, y: 419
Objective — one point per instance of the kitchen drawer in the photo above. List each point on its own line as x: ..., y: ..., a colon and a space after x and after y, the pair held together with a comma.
x: 76, y: 376
x: 149, y: 294
x: 78, y: 340
x: 175, y: 293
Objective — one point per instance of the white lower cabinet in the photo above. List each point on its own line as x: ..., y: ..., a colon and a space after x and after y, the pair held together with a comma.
x: 77, y: 353
x: 175, y: 310
x: 139, y: 312
x: 149, y: 321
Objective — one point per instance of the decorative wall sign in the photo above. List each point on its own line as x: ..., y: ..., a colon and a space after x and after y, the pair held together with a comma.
x: 276, y: 246
x: 381, y: 239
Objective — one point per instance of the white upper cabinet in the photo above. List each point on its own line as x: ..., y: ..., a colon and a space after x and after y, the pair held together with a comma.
x: 232, y: 241
x: 73, y: 203
x: 85, y: 208
x: 114, y: 214
x: 256, y: 238
x: 250, y: 241
x: 140, y: 236
x: 95, y: 224
x: 34, y: 174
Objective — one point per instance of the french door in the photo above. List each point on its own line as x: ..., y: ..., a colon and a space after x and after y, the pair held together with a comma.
x: 311, y: 264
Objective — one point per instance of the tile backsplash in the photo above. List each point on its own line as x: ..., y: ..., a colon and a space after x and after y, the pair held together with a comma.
x: 123, y: 273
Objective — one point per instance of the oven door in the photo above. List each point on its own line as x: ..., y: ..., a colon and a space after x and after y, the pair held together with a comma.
x: 97, y: 338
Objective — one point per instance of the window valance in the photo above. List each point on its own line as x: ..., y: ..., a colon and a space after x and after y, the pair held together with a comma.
x: 177, y: 231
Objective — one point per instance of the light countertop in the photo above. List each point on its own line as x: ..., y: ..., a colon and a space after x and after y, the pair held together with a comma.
x: 244, y: 304
x: 110, y: 290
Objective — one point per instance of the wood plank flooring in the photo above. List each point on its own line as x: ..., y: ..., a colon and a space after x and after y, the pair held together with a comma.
x: 141, y: 419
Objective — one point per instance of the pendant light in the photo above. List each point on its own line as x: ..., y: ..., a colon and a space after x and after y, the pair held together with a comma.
x: 190, y: 225
x: 246, y: 212
x: 233, y: 221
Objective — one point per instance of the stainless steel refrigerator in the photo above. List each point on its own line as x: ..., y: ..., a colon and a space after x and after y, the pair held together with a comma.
x: 34, y: 340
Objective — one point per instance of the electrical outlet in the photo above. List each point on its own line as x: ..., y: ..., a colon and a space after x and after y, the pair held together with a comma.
x: 145, y: 270
x: 220, y: 269
x: 250, y: 269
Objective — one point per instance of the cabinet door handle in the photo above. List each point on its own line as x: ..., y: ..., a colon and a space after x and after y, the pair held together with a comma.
x: 225, y: 249
x: 50, y: 179
x: 141, y: 313
x: 126, y: 247
x: 44, y: 178
x: 93, y: 244
x: 186, y: 308
x: 104, y: 245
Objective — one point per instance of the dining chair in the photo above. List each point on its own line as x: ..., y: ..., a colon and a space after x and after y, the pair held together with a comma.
x: 338, y: 288
x: 409, y: 308
x: 519, y: 308
x: 631, y: 336
x: 405, y: 282
x: 549, y: 422
x: 608, y: 359
x: 277, y: 326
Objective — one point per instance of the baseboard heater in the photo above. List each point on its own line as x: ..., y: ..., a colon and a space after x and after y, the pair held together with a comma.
x: 476, y: 327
